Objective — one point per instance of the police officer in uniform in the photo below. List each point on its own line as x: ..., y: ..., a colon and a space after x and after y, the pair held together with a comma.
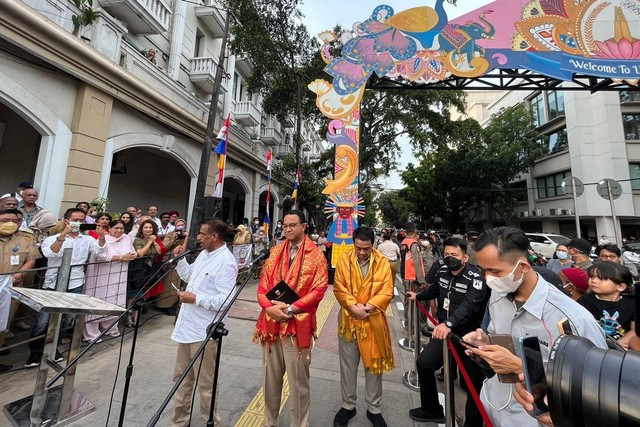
x: 461, y: 293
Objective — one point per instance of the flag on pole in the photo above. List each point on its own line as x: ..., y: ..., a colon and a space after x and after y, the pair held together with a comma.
x: 296, y: 185
x: 221, y: 151
x: 267, y: 220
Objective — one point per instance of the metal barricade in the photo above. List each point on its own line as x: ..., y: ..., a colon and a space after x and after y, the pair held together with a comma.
x: 410, y: 377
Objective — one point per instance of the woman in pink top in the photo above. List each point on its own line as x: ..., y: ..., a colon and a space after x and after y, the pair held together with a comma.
x: 110, y: 281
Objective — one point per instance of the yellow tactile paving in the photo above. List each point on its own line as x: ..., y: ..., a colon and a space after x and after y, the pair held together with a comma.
x: 253, y: 415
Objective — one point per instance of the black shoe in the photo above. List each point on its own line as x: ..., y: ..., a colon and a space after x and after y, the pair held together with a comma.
x: 59, y: 357
x: 420, y: 415
x: 5, y: 368
x: 376, y: 419
x: 33, y: 360
x: 343, y: 416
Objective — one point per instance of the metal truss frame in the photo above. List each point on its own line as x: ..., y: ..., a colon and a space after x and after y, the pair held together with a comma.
x: 504, y: 80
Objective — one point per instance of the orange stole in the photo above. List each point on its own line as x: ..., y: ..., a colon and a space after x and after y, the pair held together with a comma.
x: 372, y: 333
x: 308, y: 276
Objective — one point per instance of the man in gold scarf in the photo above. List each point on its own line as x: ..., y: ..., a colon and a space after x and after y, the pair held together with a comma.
x: 364, y: 288
x: 286, y: 331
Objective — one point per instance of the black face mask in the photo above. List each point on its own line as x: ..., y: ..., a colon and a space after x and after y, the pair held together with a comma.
x: 452, y: 263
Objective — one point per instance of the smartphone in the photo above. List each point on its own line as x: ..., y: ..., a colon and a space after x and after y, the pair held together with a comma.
x: 174, y: 287
x: 87, y: 227
x: 506, y: 341
x: 565, y: 327
x: 461, y: 341
x: 535, y: 379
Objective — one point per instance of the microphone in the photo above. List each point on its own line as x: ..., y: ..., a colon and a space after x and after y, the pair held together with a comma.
x: 262, y: 255
x: 182, y: 255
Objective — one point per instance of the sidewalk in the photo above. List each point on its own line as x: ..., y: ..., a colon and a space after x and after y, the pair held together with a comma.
x: 240, y: 383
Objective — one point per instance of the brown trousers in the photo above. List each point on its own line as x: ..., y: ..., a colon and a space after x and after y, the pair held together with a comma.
x: 280, y: 357
x: 182, y: 398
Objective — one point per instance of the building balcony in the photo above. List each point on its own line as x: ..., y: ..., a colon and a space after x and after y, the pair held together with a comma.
x: 203, y: 73
x: 271, y: 136
x: 211, y: 15
x: 283, y: 150
x: 247, y: 113
x: 140, y: 16
x: 244, y: 65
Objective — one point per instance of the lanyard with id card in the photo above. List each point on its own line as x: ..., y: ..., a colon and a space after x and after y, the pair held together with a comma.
x: 15, y: 258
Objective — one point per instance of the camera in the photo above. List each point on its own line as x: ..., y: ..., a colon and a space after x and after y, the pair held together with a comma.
x: 591, y: 386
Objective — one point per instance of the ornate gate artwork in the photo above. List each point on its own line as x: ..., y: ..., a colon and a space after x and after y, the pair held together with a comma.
x: 555, y: 38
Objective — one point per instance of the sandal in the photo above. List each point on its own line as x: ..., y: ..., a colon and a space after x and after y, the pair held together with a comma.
x: 115, y: 334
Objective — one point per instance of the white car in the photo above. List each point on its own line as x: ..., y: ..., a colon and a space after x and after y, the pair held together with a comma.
x: 545, y: 243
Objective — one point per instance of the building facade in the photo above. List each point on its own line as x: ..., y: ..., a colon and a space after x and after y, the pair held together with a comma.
x: 118, y: 108
x: 588, y: 136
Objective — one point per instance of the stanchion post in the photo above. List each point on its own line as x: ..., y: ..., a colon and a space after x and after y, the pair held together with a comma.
x: 407, y: 343
x: 449, y: 396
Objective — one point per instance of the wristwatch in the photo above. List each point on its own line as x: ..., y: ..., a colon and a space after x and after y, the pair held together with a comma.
x: 448, y: 324
x: 289, y: 310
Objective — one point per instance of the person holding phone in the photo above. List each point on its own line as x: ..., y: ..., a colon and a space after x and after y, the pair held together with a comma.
x: 461, y: 294
x: 522, y: 303
x: 52, y: 248
x: 211, y: 278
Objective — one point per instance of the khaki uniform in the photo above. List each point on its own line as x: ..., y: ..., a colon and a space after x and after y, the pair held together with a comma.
x: 23, y: 246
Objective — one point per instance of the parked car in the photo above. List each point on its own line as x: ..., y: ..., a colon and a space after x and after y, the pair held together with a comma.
x: 545, y: 243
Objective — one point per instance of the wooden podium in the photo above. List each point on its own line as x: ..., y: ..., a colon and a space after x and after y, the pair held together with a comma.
x: 61, y: 404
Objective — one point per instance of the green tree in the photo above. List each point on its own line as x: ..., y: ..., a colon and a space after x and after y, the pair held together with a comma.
x: 511, y: 146
x: 395, y: 209
x: 310, y: 195
x: 271, y: 35
x: 474, y: 167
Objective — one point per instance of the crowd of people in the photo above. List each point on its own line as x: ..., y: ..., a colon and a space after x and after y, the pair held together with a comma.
x: 482, y: 287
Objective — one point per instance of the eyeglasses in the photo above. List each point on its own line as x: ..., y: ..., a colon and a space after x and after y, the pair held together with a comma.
x: 290, y: 225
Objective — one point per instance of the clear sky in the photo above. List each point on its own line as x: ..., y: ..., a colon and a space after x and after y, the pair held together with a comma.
x: 321, y: 15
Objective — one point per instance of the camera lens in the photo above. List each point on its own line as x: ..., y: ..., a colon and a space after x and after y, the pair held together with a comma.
x: 590, y: 386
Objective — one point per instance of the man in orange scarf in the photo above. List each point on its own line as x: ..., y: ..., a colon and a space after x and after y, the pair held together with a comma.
x: 364, y: 288
x: 286, y: 331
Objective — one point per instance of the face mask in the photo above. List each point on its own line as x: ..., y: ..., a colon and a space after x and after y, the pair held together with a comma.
x: 256, y: 222
x: 452, y: 263
x: 279, y: 225
x: 180, y: 228
x: 424, y: 243
x: 562, y: 255
x: 8, y: 228
x: 506, y: 284
x: 75, y: 226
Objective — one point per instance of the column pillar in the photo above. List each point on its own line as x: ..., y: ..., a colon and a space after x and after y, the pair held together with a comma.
x: 89, y: 129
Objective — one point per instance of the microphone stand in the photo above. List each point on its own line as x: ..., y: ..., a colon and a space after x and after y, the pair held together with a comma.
x: 135, y: 306
x: 217, y: 331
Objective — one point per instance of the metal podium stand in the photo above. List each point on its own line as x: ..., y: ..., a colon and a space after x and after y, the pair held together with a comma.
x: 61, y: 404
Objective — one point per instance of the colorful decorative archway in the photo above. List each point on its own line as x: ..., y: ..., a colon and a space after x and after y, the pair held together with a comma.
x: 562, y: 39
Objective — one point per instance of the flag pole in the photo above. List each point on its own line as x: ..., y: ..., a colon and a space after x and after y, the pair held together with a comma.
x: 197, y: 214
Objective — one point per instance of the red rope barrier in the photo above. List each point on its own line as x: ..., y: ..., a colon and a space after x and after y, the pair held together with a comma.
x: 463, y: 371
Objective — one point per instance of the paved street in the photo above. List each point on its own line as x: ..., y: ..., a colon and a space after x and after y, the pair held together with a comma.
x: 240, y: 402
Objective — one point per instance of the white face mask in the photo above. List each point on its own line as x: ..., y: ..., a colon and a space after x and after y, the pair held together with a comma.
x: 562, y: 255
x: 425, y: 243
x: 75, y: 226
x: 506, y: 284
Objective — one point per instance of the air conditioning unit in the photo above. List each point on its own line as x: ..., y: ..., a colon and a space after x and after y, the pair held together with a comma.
x: 534, y: 213
x: 524, y: 214
x: 538, y: 212
x: 554, y: 212
x: 571, y: 212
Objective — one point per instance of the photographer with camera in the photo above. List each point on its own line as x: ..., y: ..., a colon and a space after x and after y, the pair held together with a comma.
x: 522, y: 303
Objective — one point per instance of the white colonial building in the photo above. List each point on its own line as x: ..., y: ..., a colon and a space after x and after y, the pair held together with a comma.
x: 118, y: 108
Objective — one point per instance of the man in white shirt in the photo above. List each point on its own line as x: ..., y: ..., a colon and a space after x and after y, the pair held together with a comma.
x: 53, y: 248
x: 152, y: 211
x: 165, y: 225
x: 211, y: 278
